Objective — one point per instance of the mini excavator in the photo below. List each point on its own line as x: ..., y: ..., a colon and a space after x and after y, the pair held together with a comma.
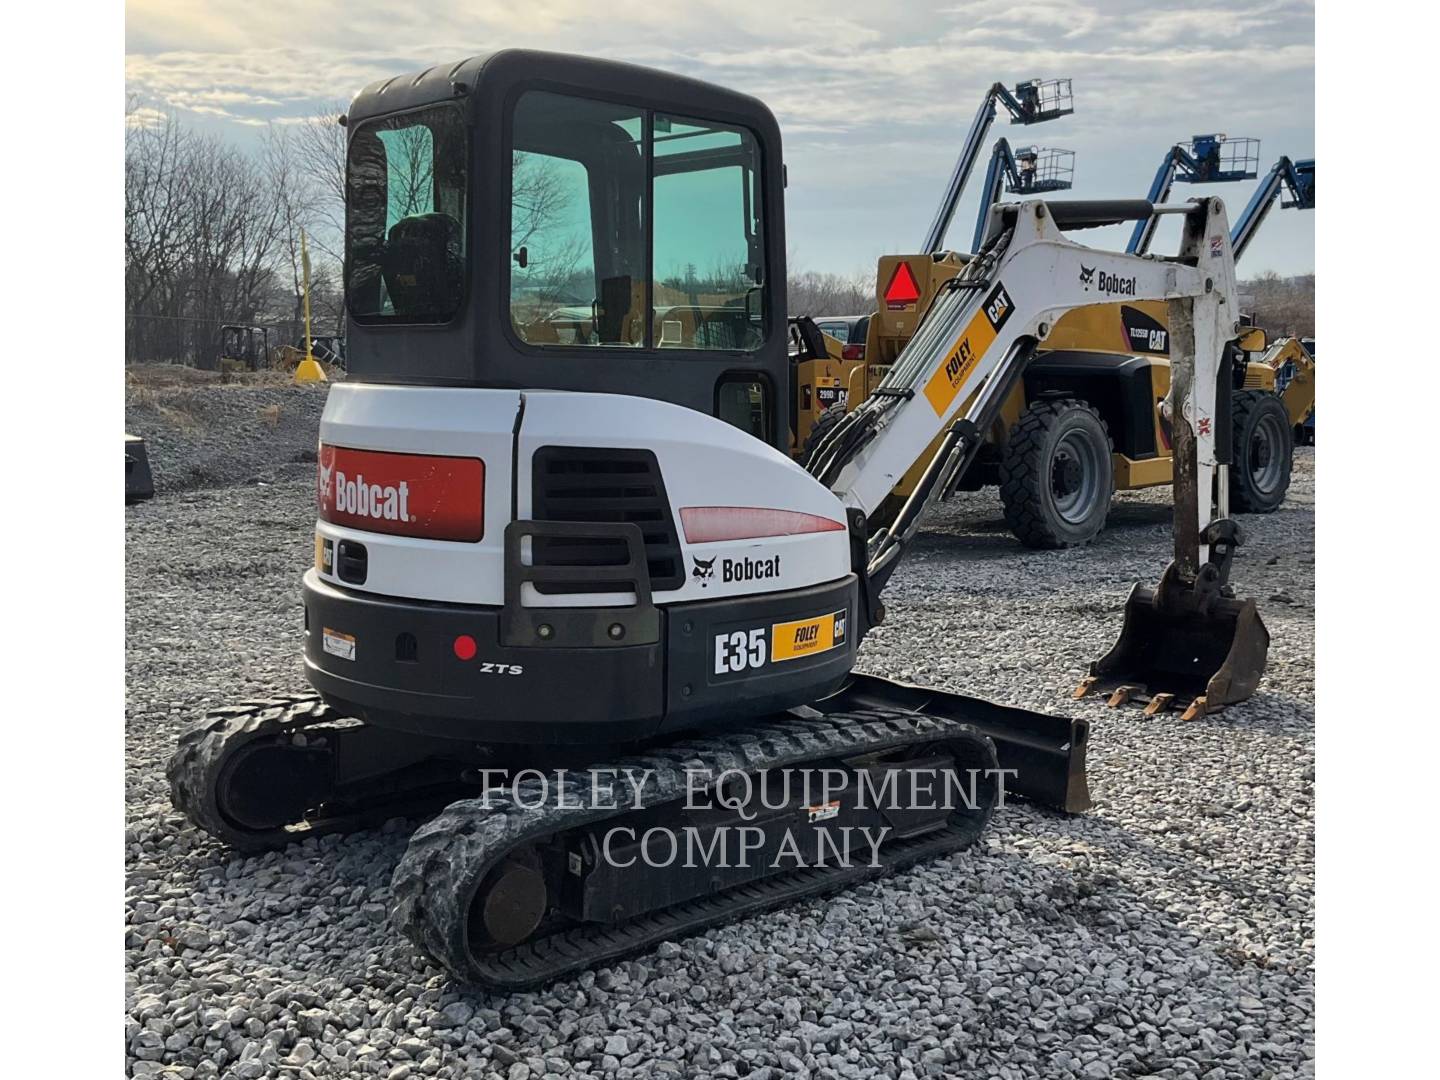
x: 559, y: 529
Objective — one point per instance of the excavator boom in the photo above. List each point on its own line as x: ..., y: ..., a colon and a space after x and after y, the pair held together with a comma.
x: 971, y: 349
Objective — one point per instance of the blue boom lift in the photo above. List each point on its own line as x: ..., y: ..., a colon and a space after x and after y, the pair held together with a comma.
x: 1295, y: 177
x: 1205, y: 159
x: 1026, y: 171
x: 1030, y: 102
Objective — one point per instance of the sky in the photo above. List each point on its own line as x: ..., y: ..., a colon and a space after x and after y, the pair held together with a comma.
x: 873, y: 99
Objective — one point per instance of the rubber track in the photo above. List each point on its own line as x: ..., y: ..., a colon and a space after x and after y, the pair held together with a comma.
x: 448, y: 856
x: 195, y: 768
x: 1022, y: 472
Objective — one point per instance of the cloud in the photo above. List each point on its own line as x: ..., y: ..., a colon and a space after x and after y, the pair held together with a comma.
x: 144, y: 117
x: 873, y: 102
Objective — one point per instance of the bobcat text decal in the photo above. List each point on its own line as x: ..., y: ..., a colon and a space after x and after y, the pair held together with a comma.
x: 423, y: 495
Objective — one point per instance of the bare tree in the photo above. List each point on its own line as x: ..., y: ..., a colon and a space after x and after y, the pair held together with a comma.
x: 810, y: 292
x: 1281, y: 305
x: 558, y: 264
x: 318, y: 147
x: 203, y: 224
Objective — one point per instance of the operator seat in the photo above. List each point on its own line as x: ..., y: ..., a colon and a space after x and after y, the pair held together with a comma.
x: 422, y: 266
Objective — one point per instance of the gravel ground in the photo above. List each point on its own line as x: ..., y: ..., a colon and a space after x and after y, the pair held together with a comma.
x: 1166, y: 933
x: 210, y: 434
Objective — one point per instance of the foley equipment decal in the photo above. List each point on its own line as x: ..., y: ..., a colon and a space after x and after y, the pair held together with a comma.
x: 940, y: 391
x: 754, y: 648
x: 807, y: 637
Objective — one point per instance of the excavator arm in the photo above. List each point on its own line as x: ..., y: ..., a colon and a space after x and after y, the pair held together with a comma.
x: 972, y: 348
x: 981, y: 329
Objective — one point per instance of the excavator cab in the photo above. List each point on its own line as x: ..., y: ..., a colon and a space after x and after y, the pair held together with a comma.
x: 615, y: 230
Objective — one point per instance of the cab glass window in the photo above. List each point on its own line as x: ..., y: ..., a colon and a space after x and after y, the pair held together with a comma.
x: 405, y: 222
x: 577, y: 178
x: 633, y: 229
x: 707, y: 249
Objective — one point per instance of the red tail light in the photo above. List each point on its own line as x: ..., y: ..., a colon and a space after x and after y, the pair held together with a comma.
x: 853, y: 352
x: 422, y: 495
x: 707, y: 524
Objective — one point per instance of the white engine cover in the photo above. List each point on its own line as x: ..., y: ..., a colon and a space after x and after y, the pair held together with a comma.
x: 705, y: 463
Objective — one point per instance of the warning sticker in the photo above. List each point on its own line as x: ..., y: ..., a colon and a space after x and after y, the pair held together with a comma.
x: 338, y: 644
x: 940, y: 391
x: 806, y: 637
x: 823, y: 811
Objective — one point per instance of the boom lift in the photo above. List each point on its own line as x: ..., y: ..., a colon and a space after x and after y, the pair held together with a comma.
x: 1295, y: 177
x: 1031, y: 170
x: 1205, y: 159
x: 1030, y: 102
x: 594, y: 552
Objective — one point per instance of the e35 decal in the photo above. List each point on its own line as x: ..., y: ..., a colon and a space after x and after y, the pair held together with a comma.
x: 748, y: 650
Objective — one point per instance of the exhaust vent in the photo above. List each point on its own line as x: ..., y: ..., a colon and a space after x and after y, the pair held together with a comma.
x: 605, y: 486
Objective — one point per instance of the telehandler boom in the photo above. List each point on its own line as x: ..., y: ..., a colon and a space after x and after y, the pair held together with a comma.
x: 574, y: 544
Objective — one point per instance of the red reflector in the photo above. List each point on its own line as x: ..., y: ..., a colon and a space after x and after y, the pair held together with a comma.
x: 853, y: 352
x: 465, y: 647
x: 422, y: 495
x: 707, y: 524
x: 903, y: 288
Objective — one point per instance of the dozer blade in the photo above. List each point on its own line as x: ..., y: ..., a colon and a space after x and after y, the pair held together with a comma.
x: 1044, y: 753
x: 1182, y: 648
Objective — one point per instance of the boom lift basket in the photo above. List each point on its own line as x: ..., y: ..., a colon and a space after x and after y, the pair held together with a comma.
x: 1043, y: 99
x: 1182, y: 647
x: 1042, y: 168
x: 1218, y: 159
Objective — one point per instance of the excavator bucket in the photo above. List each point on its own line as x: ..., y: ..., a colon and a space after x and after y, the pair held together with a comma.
x: 1182, y: 648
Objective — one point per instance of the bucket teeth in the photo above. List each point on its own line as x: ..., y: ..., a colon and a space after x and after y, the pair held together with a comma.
x: 1085, y: 686
x: 1197, y: 709
x: 1122, y: 694
x: 1158, y: 703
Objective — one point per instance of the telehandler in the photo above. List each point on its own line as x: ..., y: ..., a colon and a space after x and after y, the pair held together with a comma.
x: 591, y: 550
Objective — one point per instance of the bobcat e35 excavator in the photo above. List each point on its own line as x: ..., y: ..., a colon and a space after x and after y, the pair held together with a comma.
x: 559, y: 529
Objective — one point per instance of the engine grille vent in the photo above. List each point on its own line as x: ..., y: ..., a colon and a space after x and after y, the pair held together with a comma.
x: 602, y: 486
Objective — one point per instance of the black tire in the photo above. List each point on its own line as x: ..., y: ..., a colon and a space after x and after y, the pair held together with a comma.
x: 824, y: 424
x: 1263, y: 445
x: 1056, y: 475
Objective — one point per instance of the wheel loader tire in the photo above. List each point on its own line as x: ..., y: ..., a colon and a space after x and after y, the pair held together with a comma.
x: 824, y: 424
x: 1263, y: 449
x: 1056, y: 475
